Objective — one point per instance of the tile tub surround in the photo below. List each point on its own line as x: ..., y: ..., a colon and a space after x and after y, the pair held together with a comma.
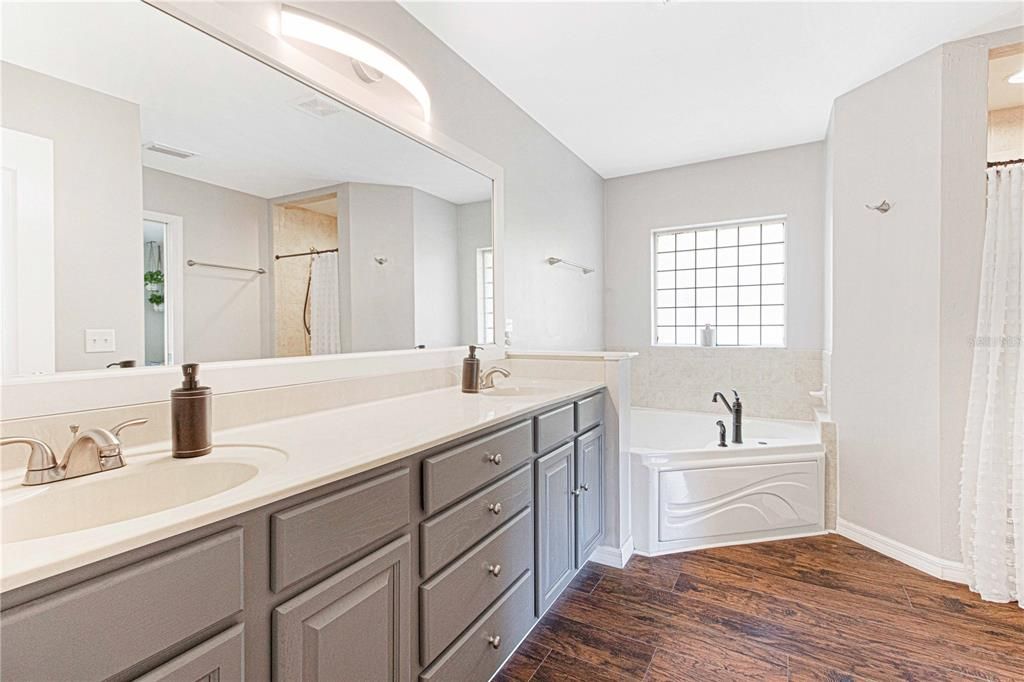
x: 321, y: 447
x: 774, y: 383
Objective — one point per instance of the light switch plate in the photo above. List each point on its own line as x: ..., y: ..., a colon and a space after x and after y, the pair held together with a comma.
x: 99, y: 341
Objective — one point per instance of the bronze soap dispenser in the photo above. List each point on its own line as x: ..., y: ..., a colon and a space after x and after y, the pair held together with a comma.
x: 191, y: 415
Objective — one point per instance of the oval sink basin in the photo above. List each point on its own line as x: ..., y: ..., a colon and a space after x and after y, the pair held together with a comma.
x: 146, y: 485
x: 514, y: 391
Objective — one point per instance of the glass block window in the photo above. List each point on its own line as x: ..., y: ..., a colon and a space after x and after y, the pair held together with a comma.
x: 485, y: 295
x: 732, y: 277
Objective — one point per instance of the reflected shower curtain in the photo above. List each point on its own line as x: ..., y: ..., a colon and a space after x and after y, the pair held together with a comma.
x: 992, y: 481
x: 324, y: 313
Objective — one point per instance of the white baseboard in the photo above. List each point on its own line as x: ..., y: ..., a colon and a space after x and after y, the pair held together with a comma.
x: 614, y: 557
x: 937, y: 567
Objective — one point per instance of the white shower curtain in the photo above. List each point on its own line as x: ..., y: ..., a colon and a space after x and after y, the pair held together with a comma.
x: 992, y: 481
x: 324, y: 313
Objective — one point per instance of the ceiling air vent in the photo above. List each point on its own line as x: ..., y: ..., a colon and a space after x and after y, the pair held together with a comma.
x: 169, y: 151
x: 321, y: 107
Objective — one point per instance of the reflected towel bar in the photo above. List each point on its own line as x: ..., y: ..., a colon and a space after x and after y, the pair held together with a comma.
x: 192, y: 263
x: 311, y: 252
x: 556, y: 261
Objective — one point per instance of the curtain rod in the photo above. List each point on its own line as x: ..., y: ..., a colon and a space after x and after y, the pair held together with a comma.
x: 1004, y: 163
x: 311, y: 252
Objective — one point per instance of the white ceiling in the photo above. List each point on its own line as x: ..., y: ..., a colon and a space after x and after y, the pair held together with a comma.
x: 632, y: 87
x: 237, y: 114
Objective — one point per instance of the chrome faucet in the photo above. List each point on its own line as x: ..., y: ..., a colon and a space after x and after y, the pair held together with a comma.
x: 736, y: 410
x: 487, y: 378
x: 91, y: 451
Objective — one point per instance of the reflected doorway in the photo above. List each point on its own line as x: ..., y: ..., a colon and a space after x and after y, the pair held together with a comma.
x: 162, y: 289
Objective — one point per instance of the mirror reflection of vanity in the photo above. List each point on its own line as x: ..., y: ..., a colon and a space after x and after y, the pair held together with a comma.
x: 170, y: 199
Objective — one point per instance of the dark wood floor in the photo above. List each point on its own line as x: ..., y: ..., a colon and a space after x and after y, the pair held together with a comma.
x: 821, y: 608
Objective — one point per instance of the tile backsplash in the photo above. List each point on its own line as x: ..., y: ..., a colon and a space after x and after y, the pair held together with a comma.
x: 229, y: 409
x: 772, y: 382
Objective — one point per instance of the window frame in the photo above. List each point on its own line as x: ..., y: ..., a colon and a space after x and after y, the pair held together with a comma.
x: 676, y: 229
x: 481, y: 295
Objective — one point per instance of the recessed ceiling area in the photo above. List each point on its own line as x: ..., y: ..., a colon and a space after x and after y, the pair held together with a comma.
x: 633, y: 87
x: 1002, y: 94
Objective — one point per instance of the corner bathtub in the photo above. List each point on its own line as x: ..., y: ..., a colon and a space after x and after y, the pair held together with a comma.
x: 689, y: 493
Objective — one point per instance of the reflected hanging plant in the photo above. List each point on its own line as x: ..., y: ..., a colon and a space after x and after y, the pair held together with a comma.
x: 153, y: 279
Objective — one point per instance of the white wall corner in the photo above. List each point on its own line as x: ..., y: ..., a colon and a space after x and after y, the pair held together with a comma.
x: 934, y: 566
x: 616, y: 557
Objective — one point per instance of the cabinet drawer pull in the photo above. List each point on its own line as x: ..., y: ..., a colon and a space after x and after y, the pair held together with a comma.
x: 494, y: 641
x: 494, y: 569
x: 495, y: 508
x: 495, y: 458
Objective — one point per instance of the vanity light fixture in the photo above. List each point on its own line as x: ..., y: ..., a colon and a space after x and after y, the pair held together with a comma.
x: 368, y: 58
x: 1017, y: 78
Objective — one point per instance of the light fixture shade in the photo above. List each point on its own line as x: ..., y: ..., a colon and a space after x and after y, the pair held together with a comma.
x: 1017, y: 78
x: 302, y: 26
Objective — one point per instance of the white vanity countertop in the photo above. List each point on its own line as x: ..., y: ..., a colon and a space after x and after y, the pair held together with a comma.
x: 315, y: 449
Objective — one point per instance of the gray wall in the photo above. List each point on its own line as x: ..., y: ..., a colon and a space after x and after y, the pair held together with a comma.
x: 781, y: 181
x: 377, y: 221
x: 474, y: 233
x: 436, y: 270
x: 904, y: 290
x: 553, y: 201
x: 223, y: 308
x: 97, y: 210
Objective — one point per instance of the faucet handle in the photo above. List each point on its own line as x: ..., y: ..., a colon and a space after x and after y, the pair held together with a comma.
x: 736, y: 394
x: 125, y: 424
x: 39, y: 457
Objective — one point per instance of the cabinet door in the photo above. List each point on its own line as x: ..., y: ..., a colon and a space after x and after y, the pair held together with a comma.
x: 589, y: 493
x: 555, y: 525
x: 218, y: 659
x: 354, y: 625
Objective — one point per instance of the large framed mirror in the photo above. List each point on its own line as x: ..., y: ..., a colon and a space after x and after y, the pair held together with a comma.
x: 168, y: 198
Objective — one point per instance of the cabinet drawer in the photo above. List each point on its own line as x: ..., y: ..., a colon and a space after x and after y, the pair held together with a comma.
x: 218, y: 659
x: 313, y: 535
x: 478, y: 653
x: 553, y: 428
x: 589, y: 411
x: 453, y: 474
x: 116, y: 620
x: 451, y: 600
x: 451, y: 533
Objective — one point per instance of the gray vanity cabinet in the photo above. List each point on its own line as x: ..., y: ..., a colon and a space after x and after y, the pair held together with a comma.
x: 435, y: 566
x: 589, y: 493
x: 556, y: 546
x: 354, y: 625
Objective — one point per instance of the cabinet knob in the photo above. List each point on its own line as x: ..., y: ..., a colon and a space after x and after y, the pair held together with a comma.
x: 495, y: 508
x: 495, y: 458
x: 577, y: 492
x: 494, y: 641
x: 494, y: 569
x: 586, y: 487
